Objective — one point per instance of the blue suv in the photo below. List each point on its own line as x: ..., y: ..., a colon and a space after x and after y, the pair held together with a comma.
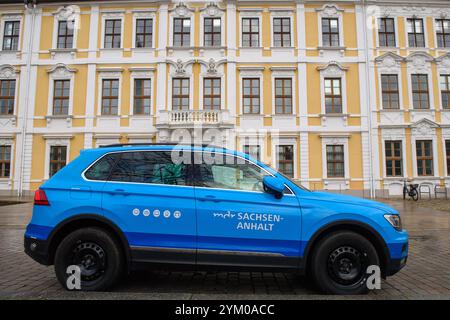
x: 121, y: 207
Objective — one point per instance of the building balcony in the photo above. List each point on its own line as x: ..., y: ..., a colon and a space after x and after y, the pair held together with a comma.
x: 194, y: 118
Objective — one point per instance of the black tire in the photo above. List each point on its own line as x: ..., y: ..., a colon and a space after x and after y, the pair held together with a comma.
x: 98, y: 255
x: 339, y: 263
x: 414, y: 195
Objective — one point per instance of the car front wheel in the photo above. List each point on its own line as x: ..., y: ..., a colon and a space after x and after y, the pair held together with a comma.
x: 92, y: 255
x: 340, y: 261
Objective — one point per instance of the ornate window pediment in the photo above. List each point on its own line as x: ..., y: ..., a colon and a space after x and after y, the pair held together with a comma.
x: 329, y: 11
x: 181, y: 10
x: 389, y: 60
x: 8, y: 71
x: 179, y: 67
x: 332, y: 68
x: 212, y: 65
x: 61, y: 70
x: 212, y: 10
x: 424, y: 128
x: 419, y: 61
x: 443, y: 63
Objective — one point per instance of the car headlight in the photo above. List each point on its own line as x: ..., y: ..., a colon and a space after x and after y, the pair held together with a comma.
x: 394, y: 220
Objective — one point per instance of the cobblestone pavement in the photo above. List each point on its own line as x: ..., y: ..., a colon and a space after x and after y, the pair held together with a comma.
x: 427, y: 274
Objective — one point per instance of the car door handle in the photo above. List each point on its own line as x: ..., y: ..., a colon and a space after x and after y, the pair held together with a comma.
x: 118, y: 191
x: 209, y: 198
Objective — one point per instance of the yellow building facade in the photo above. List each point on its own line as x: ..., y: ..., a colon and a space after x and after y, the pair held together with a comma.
x: 349, y: 96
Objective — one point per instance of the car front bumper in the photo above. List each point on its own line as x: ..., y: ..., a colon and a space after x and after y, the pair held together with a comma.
x: 395, y: 264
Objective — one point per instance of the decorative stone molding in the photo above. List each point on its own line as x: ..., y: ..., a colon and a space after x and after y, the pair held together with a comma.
x: 443, y: 63
x: 332, y: 68
x: 8, y: 71
x: 67, y: 13
x: 212, y: 9
x: 57, y: 139
x: 419, y: 61
x: 61, y: 69
x: 329, y: 10
x: 212, y: 65
x: 182, y: 10
x: 393, y: 134
x: 144, y: 13
x: 179, y: 66
x: 142, y: 72
x: 424, y: 128
x: 111, y: 72
x: 437, y: 12
x: 389, y: 61
x: 6, y: 139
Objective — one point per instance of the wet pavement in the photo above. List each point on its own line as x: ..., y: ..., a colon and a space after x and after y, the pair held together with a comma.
x: 427, y: 274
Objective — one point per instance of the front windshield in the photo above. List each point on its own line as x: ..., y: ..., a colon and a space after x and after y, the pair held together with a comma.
x: 298, y: 184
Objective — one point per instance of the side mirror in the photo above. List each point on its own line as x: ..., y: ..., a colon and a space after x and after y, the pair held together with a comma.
x: 273, y: 185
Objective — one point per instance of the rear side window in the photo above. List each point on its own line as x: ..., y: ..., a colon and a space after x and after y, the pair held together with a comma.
x: 229, y: 172
x: 102, y: 168
x: 153, y: 167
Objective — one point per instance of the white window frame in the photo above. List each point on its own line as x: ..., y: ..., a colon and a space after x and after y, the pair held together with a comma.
x: 441, y: 103
x: 335, y: 140
x: 59, y: 16
x: 142, y: 73
x: 414, y: 138
x: 432, y: 107
x: 283, y: 141
x: 443, y: 68
x: 104, y: 74
x: 444, y: 151
x: 181, y: 11
x: 390, y: 63
x: 116, y: 15
x: 435, y: 33
x: 251, y: 13
x: 399, y: 85
x: 218, y: 74
x: 11, y: 17
x: 333, y: 70
x: 383, y: 147
x: 60, y: 72
x: 188, y: 74
x: 144, y: 14
x: 425, y: 36
x: 212, y: 11
x: 55, y: 141
x: 289, y: 73
x: 334, y: 12
x: 8, y: 142
x: 251, y: 72
x: 395, y: 30
x: 281, y: 13
x: 8, y: 72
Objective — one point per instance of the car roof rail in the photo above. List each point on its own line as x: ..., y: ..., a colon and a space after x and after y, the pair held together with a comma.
x: 203, y: 145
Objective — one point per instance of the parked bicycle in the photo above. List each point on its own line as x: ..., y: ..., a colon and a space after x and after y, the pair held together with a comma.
x: 411, y: 190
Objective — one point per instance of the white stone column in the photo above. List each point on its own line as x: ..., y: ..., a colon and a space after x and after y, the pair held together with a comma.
x: 161, y: 68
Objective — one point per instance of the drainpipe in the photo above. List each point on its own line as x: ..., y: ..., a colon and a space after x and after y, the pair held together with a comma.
x: 29, y: 5
x: 368, y: 99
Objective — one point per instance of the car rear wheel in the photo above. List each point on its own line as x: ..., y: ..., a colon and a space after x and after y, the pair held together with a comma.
x: 95, y: 254
x: 340, y: 261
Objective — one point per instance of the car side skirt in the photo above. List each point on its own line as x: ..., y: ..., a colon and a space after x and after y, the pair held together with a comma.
x: 192, y: 259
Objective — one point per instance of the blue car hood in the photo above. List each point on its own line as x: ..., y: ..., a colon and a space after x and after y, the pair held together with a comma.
x: 350, y: 200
